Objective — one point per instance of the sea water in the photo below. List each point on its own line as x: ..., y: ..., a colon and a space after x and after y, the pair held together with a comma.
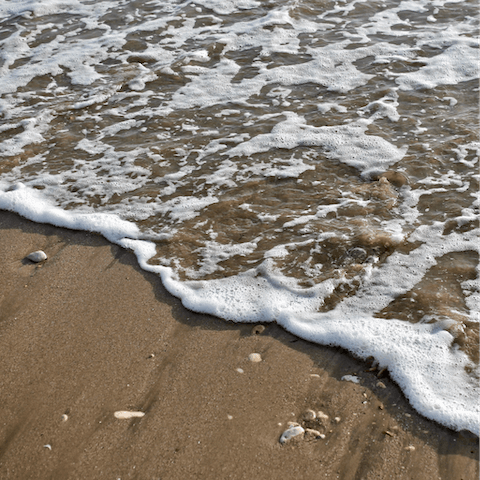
x: 312, y: 163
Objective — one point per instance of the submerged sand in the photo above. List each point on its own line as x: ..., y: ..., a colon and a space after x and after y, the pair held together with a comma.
x: 88, y: 333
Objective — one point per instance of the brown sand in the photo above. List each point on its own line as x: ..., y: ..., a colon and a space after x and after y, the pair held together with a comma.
x: 77, y: 336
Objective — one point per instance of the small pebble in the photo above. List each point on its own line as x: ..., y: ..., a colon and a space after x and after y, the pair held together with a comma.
x: 381, y: 385
x: 337, y: 419
x: 152, y: 355
x: 309, y: 415
x: 386, y: 432
x: 314, y: 375
x: 258, y: 329
x: 64, y: 417
x: 240, y: 370
x: 38, y: 256
x: 255, y: 357
x: 229, y: 417
x: 124, y: 415
x: 380, y: 406
x: 290, y: 433
x: 410, y: 448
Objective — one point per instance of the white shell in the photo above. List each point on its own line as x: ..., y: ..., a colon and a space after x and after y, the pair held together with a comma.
x: 255, y: 357
x: 38, y: 256
x: 124, y: 415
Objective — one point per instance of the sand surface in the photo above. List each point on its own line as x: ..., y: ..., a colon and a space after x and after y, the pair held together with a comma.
x: 87, y: 334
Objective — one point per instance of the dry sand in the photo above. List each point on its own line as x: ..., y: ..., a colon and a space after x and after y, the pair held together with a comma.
x: 88, y: 333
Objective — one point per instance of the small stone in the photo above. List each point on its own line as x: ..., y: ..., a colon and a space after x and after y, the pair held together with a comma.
x: 337, y: 419
x: 386, y: 432
x: 152, y: 355
x: 314, y: 375
x: 410, y: 448
x: 64, y: 417
x: 258, y: 329
x: 125, y: 415
x: 38, y: 256
x: 240, y: 370
x: 290, y: 433
x: 381, y: 406
x: 255, y: 357
x: 311, y: 434
x: 309, y: 415
x: 229, y: 417
x: 381, y: 385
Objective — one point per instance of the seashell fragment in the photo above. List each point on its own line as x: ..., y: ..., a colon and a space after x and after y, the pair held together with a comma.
x: 64, y: 417
x: 258, y: 329
x: 290, y: 433
x: 351, y: 378
x: 124, y: 415
x: 309, y: 415
x: 410, y: 448
x: 323, y: 419
x: 38, y: 256
x: 255, y: 357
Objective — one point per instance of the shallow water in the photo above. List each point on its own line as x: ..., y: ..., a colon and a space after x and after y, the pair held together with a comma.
x: 310, y: 163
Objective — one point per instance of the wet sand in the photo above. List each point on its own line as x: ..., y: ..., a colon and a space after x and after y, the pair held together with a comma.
x: 88, y: 333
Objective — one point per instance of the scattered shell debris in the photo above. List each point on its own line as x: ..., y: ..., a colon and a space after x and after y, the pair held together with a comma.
x: 255, y: 357
x: 124, y: 414
x: 38, y: 256
x: 351, y: 378
x: 314, y: 426
x: 290, y: 433
x: 258, y: 329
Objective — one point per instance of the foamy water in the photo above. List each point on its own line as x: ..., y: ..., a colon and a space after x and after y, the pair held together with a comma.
x: 309, y: 163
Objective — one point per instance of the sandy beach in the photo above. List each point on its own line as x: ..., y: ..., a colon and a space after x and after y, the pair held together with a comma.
x: 87, y: 333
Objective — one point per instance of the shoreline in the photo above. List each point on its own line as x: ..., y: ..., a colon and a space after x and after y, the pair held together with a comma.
x: 88, y: 333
